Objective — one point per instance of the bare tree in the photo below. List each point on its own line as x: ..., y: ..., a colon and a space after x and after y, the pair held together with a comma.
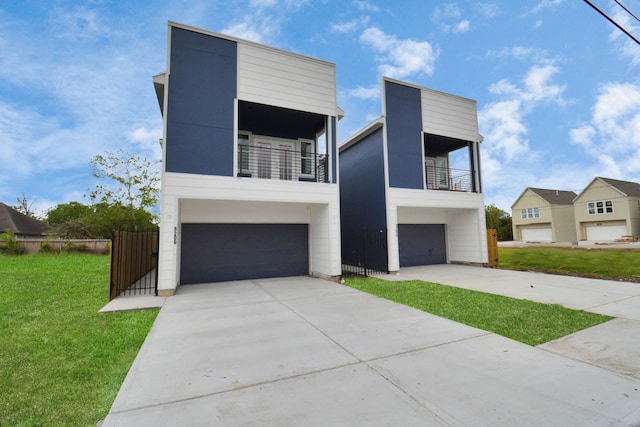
x: 25, y: 207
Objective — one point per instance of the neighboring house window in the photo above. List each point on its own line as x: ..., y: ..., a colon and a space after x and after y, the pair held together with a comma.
x: 306, y: 158
x: 530, y: 213
x: 600, y: 207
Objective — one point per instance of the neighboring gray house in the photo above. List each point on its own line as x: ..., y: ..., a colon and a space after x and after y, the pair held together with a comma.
x: 415, y: 173
x: 21, y: 225
x: 249, y: 162
x: 544, y: 215
x: 607, y: 209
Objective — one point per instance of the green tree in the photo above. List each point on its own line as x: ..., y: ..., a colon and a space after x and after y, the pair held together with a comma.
x: 74, y: 220
x: 106, y: 217
x: 500, y: 221
x: 128, y: 180
x: 67, y: 212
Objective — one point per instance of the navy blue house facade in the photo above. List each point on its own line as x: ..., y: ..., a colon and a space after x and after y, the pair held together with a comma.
x: 414, y: 173
x: 250, y: 179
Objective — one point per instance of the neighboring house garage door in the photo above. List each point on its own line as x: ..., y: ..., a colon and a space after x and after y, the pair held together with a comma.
x: 606, y: 232
x: 222, y: 252
x: 537, y: 235
x: 421, y: 244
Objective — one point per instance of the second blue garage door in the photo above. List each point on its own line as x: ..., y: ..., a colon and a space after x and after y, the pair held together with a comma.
x: 422, y: 244
x: 223, y: 252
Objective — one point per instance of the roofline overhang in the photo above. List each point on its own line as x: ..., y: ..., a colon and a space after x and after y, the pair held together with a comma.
x: 362, y: 133
x: 159, y: 81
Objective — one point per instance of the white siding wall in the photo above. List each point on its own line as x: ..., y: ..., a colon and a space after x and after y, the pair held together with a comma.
x: 463, y: 214
x: 168, y: 253
x: 325, y: 240
x: 449, y: 115
x: 243, y: 212
x: 216, y: 199
x: 467, y: 236
x: 273, y: 77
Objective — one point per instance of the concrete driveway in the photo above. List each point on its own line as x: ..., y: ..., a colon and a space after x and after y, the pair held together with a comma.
x: 304, y: 351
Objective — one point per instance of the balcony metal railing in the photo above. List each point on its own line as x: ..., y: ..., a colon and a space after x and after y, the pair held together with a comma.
x: 449, y: 179
x: 282, y: 163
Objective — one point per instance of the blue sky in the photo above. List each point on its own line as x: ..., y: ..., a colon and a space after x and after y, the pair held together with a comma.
x: 557, y: 86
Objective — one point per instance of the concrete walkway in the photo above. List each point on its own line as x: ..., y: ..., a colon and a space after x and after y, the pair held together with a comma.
x: 304, y: 351
x: 614, y: 345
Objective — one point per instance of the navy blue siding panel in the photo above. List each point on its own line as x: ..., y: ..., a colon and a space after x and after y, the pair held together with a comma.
x: 404, y: 135
x: 223, y: 252
x: 202, y: 88
x: 421, y: 244
x: 334, y: 149
x: 362, y: 194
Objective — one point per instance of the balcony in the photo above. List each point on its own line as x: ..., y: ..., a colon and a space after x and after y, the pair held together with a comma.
x: 282, y: 162
x: 439, y: 178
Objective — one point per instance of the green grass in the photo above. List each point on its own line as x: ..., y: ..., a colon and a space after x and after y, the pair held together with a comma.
x: 62, y: 362
x: 525, y: 321
x: 599, y: 263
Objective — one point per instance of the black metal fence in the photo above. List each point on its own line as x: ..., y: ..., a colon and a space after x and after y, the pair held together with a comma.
x: 449, y: 179
x: 364, y: 252
x: 284, y: 163
x: 134, y: 262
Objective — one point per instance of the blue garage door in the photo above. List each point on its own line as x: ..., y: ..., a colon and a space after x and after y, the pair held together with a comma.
x: 421, y: 244
x: 222, y: 252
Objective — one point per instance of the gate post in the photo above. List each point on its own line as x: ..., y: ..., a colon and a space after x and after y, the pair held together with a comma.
x: 492, y: 246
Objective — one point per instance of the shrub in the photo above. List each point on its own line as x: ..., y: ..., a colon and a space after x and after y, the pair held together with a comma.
x: 47, y: 248
x: 10, y: 246
x: 74, y: 248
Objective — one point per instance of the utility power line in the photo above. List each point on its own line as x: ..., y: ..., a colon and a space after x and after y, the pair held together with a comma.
x: 627, y: 10
x: 601, y: 12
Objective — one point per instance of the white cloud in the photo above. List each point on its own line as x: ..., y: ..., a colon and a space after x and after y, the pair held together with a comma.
x: 546, y: 4
x: 505, y: 133
x: 79, y: 23
x: 462, y: 26
x: 248, y: 31
x: 488, y: 10
x: 448, y: 18
x: 612, y: 136
x: 626, y: 46
x: 503, y: 122
x: 365, y: 5
x: 349, y: 26
x: 521, y: 53
x: 400, y: 58
x: 366, y: 93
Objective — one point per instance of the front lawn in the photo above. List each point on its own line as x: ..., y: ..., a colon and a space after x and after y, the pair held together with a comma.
x: 522, y: 320
x: 62, y: 362
x: 620, y: 264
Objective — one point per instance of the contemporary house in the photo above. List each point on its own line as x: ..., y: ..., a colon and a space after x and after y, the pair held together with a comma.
x: 607, y: 209
x: 250, y: 164
x: 414, y: 174
x: 544, y: 215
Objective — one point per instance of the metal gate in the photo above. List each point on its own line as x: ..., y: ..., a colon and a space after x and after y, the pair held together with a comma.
x: 134, y: 262
x: 364, y: 252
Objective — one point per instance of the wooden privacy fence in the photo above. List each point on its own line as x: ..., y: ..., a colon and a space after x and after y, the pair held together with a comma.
x: 492, y: 244
x: 134, y: 260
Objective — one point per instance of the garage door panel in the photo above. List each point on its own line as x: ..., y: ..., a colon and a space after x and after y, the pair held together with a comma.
x: 223, y: 252
x: 606, y: 232
x: 537, y: 234
x: 422, y: 244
